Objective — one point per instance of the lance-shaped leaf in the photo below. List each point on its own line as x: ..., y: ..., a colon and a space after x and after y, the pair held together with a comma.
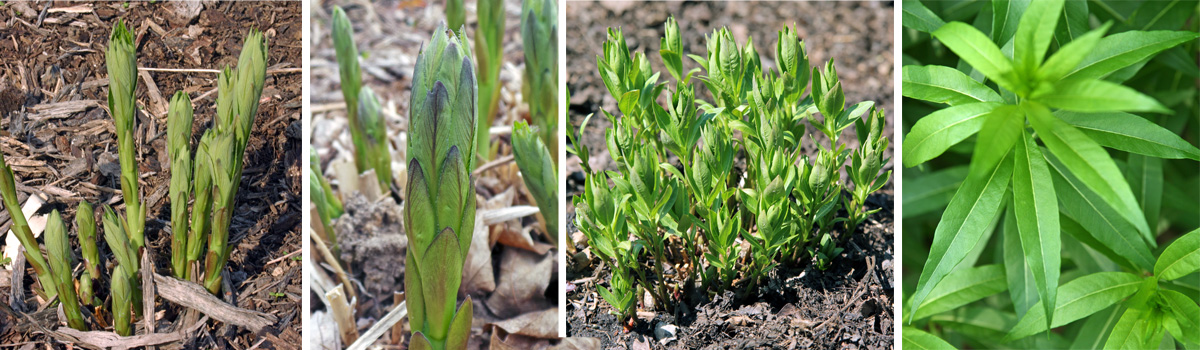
x: 977, y: 50
x: 1077, y: 299
x: 1121, y: 50
x: 947, y: 85
x: 935, y: 133
x: 918, y: 339
x: 1180, y: 258
x: 1036, y: 209
x: 1094, y: 95
x: 1086, y: 160
x: 962, y: 287
x: 1034, y: 34
x: 1130, y: 133
x: 969, y: 214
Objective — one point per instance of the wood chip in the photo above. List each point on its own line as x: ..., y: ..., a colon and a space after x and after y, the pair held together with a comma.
x: 193, y: 296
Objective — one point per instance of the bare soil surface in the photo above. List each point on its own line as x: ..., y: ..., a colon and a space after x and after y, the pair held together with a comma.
x: 847, y: 306
x: 59, y: 138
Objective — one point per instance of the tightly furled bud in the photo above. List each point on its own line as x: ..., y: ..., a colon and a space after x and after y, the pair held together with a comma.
x: 439, y: 208
x: 58, y: 249
x: 793, y: 63
x: 827, y: 91
x: 671, y: 49
x: 538, y: 171
x: 121, y: 59
x: 374, y: 132
x: 179, y: 138
x: 539, y: 33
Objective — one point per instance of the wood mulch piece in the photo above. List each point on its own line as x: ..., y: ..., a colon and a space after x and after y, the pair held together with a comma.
x: 59, y: 138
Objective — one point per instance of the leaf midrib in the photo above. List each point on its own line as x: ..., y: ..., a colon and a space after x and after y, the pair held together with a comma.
x: 1182, y: 258
x: 1093, y: 206
x: 1112, y: 57
x: 1111, y: 132
x: 921, y: 142
x: 929, y: 301
x: 945, y: 88
x: 1084, y: 296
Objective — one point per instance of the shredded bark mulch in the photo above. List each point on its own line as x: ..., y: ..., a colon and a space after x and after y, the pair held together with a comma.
x: 58, y: 136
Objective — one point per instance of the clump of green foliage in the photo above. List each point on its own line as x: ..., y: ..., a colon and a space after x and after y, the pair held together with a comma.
x: 217, y: 174
x: 676, y: 189
x: 1039, y: 168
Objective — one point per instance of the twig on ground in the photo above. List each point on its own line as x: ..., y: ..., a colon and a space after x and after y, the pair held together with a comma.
x: 193, y: 296
x: 372, y: 334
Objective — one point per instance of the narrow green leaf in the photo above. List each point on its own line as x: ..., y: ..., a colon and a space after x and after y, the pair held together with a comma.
x: 1096, y: 328
x: 1146, y: 179
x: 1182, y: 315
x: 1074, y: 22
x: 1077, y: 299
x: 1161, y: 14
x: 1036, y: 209
x: 914, y: 338
x: 1098, y: 219
x: 1095, y: 95
x: 962, y: 287
x: 1006, y: 15
x: 1069, y: 56
x: 1180, y: 258
x: 1034, y: 34
x: 1130, y: 133
x: 919, y: 17
x: 930, y: 192
x: 1003, y: 128
x: 1090, y: 163
x: 947, y: 85
x: 1124, y: 49
x: 939, y: 130
x: 1135, y: 330
x: 1021, y: 287
x: 969, y: 214
x: 975, y: 49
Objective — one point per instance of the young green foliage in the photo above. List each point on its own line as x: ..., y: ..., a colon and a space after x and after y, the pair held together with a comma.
x: 366, y: 123
x: 539, y: 36
x: 456, y: 16
x: 58, y: 250
x: 579, y: 149
x: 179, y: 138
x: 126, y: 296
x: 238, y: 92
x: 326, y: 202
x: 677, y: 201
x: 489, y: 53
x: 121, y: 59
x: 1046, y: 94
x: 85, y: 224
x: 439, y: 208
x: 539, y: 173
x: 20, y: 227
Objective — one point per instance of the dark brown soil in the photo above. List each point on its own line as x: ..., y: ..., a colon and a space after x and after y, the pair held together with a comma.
x: 847, y: 306
x: 54, y: 52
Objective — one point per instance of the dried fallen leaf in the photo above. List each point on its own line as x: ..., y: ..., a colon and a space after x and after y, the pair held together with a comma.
x: 538, y: 324
x: 477, y: 269
x: 524, y: 276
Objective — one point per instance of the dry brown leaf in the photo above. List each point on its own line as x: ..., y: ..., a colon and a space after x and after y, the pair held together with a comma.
x: 538, y: 324
x: 477, y: 269
x: 518, y: 237
x: 516, y: 341
x: 577, y: 343
x: 524, y: 276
